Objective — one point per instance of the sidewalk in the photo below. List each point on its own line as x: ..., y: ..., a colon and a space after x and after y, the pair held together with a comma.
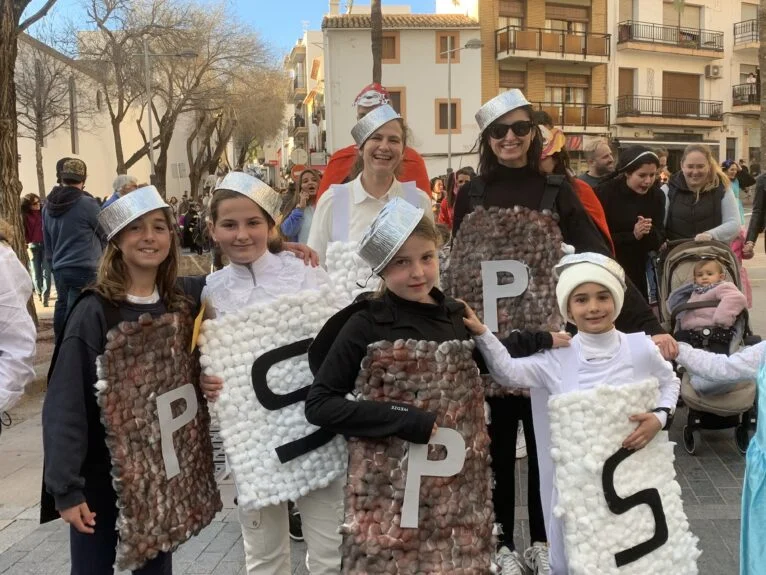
x: 711, y: 483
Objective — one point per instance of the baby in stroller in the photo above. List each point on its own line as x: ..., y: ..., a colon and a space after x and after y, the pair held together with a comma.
x: 707, y: 319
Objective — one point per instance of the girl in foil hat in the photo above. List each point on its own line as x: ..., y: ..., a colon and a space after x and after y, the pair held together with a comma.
x: 590, y: 292
x: 267, y: 302
x: 401, y: 246
x: 93, y: 442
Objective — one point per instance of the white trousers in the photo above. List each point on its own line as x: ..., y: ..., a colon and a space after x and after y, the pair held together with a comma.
x: 266, y: 536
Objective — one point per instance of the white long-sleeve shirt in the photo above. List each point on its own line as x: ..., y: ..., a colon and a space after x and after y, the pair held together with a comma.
x: 545, y: 369
x: 720, y: 368
x: 17, y: 330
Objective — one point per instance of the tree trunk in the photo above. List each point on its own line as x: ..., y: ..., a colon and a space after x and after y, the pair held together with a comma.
x: 376, y: 20
x: 761, y: 76
x: 39, y: 164
x: 121, y: 169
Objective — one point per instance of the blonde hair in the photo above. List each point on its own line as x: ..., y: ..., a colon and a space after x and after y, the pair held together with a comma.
x: 426, y: 230
x: 6, y: 231
x: 716, y: 177
x: 113, y: 277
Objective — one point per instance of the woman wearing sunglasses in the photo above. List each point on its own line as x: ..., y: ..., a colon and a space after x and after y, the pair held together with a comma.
x: 509, y: 176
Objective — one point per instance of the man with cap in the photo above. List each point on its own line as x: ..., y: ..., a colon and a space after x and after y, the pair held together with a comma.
x: 413, y: 168
x: 72, y: 240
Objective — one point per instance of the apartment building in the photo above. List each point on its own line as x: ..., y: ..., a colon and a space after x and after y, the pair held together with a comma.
x: 415, y: 70
x: 639, y: 71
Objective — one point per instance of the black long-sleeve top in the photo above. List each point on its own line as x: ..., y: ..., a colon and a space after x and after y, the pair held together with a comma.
x: 758, y: 217
x: 509, y: 187
x: 390, y: 318
x: 622, y: 207
x: 74, y: 439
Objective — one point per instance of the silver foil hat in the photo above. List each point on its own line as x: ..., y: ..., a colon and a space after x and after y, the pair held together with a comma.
x: 500, y: 105
x: 366, y: 127
x: 592, y: 258
x: 250, y: 186
x: 129, y: 208
x: 388, y: 232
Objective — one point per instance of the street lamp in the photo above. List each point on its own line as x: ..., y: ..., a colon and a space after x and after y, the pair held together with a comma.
x: 148, y: 78
x: 472, y: 44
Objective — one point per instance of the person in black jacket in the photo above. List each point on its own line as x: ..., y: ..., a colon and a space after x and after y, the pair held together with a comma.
x: 137, y: 276
x: 757, y: 218
x: 635, y: 207
x: 510, y: 147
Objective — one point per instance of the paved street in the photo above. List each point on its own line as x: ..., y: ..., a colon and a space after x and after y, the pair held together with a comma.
x: 711, y: 482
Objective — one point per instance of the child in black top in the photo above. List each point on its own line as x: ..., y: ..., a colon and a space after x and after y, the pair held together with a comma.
x: 409, y: 307
x: 137, y: 276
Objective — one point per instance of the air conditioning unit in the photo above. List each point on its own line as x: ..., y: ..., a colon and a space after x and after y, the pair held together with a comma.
x: 713, y: 71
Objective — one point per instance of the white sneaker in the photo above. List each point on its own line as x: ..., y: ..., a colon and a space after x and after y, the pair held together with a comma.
x: 536, y: 558
x: 521, y: 442
x: 510, y: 562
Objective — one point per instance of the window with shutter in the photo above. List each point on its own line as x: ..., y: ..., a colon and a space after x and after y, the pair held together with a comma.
x: 513, y: 79
x: 390, y: 48
x: 567, y: 80
x: 567, y: 13
x: 444, y: 42
x: 512, y: 8
x: 441, y: 116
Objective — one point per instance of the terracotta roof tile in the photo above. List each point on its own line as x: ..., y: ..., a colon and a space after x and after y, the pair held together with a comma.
x: 397, y: 21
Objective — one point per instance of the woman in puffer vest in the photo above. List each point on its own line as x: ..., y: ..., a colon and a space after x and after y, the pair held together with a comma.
x: 700, y: 204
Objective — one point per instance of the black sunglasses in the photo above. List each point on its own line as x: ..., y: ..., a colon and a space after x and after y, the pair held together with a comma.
x: 520, y: 129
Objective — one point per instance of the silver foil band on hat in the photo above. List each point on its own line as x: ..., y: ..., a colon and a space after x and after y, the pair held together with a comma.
x: 129, y: 208
x: 367, y: 126
x: 388, y: 232
x: 593, y: 258
x: 500, y: 105
x: 258, y: 191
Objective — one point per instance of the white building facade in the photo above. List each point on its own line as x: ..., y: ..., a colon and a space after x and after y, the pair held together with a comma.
x: 415, y: 72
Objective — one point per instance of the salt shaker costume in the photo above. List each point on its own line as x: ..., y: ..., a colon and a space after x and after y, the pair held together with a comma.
x: 611, y: 358
x: 157, y: 492
x: 277, y: 303
x: 440, y: 364
x: 345, y: 211
x: 17, y: 330
x: 744, y: 365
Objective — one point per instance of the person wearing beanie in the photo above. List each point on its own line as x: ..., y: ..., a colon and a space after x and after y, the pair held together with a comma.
x: 341, y: 164
x: 590, y: 293
x: 635, y: 207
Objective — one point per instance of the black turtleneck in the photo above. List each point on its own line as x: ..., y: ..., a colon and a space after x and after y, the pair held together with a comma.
x: 390, y: 318
x: 509, y: 187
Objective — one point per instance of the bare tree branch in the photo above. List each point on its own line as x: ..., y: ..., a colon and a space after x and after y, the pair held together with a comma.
x: 36, y: 16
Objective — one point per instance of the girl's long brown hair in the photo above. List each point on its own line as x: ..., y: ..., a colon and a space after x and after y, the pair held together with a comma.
x: 113, y: 278
x: 290, y: 206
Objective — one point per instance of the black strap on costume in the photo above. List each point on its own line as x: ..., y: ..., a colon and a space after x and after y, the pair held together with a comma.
x: 477, y: 189
x: 619, y: 505
x: 553, y: 184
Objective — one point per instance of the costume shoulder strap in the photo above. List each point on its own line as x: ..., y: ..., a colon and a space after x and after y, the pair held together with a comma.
x: 341, y: 211
x: 641, y: 350
x: 411, y: 193
x: 553, y: 184
x: 477, y: 189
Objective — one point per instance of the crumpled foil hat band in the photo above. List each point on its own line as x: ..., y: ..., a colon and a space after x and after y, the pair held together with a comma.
x: 499, y: 105
x: 367, y: 126
x: 388, y: 232
x: 129, y: 208
x: 258, y: 191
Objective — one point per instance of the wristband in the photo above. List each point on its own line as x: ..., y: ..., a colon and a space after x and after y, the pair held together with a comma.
x: 669, y: 413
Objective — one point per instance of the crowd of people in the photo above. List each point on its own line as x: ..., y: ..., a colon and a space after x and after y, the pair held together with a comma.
x: 115, y: 260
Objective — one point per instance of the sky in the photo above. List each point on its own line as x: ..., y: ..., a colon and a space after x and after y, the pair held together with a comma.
x: 279, y: 22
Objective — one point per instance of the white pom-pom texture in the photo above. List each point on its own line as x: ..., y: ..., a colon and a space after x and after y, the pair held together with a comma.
x: 350, y: 273
x: 251, y: 433
x: 587, y: 428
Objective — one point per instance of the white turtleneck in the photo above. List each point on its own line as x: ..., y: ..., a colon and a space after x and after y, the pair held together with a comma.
x: 144, y: 300
x: 599, y: 346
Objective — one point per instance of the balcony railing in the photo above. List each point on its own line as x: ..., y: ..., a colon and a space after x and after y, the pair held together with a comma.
x: 695, y: 38
x: 511, y: 39
x: 585, y: 115
x: 295, y: 123
x: 669, y: 107
x: 746, y: 32
x: 299, y: 83
x: 745, y: 94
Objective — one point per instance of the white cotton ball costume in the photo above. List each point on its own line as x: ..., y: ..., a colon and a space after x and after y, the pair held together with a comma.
x: 253, y: 320
x: 582, y: 397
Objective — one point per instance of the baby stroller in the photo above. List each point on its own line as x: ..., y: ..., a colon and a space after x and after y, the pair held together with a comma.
x: 736, y: 408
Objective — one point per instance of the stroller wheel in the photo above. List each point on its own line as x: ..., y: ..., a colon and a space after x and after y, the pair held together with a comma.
x: 689, y: 444
x: 742, y: 438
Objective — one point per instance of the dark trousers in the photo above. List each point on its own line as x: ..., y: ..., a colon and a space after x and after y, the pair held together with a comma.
x: 505, y: 414
x: 41, y: 270
x: 69, y: 284
x: 94, y: 554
